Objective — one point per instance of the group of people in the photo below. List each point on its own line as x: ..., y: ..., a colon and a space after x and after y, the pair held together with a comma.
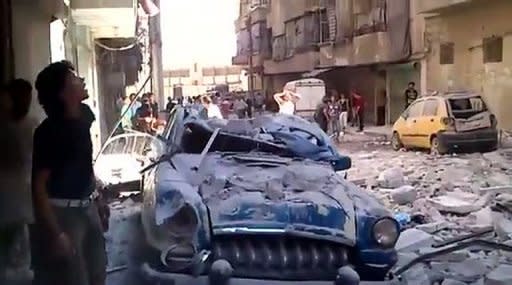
x: 332, y: 114
x: 52, y: 213
x: 141, y: 115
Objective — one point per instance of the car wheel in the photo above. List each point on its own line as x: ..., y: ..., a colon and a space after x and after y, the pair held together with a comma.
x: 436, y: 148
x: 395, y: 142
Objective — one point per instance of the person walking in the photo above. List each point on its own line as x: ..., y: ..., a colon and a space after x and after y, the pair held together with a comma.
x: 212, y: 110
x: 240, y: 107
x: 320, y: 116
x: 410, y: 94
x: 333, y: 112
x: 68, y: 245
x: 126, y: 113
x: 358, y: 104
x: 343, y: 102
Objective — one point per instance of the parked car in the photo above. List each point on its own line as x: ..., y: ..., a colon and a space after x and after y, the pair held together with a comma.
x: 258, y: 200
x: 447, y: 122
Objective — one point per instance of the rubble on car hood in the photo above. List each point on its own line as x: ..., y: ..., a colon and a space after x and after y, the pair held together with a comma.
x: 259, y: 193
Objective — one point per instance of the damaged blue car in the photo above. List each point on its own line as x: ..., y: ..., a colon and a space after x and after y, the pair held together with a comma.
x: 259, y: 201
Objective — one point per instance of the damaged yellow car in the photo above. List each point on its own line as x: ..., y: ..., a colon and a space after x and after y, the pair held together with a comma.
x: 447, y: 122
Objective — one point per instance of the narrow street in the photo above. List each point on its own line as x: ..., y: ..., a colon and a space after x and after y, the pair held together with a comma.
x: 436, y: 198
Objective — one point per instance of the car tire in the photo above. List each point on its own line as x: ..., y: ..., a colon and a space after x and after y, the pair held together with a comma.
x: 436, y: 148
x: 396, y: 144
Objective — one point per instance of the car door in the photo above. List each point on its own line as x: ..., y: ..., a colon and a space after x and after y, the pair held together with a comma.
x: 429, y: 122
x: 409, y: 135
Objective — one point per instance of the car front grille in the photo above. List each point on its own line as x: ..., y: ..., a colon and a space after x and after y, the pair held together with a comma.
x: 280, y: 258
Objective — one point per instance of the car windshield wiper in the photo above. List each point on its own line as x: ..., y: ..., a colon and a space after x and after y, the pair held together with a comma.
x: 165, y: 157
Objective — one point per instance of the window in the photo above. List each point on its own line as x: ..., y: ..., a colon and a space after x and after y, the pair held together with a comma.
x: 372, y: 21
x: 292, y: 31
x: 446, y: 53
x: 493, y: 49
x: 430, y: 108
x: 414, y: 110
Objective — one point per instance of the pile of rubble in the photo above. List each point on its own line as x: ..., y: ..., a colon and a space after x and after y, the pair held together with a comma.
x: 456, y: 213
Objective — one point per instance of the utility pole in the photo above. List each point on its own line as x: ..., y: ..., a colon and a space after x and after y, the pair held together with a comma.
x: 248, y: 25
x: 155, y: 41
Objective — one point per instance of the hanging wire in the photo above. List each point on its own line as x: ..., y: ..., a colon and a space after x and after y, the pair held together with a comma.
x: 137, y: 95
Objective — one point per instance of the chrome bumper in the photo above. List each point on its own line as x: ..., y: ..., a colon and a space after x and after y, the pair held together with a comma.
x: 181, y: 279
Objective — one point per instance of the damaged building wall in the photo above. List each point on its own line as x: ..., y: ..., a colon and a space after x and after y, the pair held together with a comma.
x: 471, y: 48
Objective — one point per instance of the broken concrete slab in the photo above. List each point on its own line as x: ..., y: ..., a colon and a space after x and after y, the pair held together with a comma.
x: 413, y: 239
x: 502, y: 226
x: 452, y: 282
x: 404, y: 195
x: 470, y: 270
x: 455, y: 256
x: 481, y: 220
x: 433, y: 227
x: 391, y: 178
x: 496, y: 189
x: 457, y: 202
x: 502, y: 275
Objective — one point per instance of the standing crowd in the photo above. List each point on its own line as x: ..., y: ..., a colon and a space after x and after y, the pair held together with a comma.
x: 336, y: 110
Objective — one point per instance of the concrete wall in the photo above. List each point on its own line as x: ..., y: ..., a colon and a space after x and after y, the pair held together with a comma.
x: 398, y: 77
x: 466, y: 28
x: 31, y: 45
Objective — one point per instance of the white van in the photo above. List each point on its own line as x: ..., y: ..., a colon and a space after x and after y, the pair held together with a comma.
x: 311, y: 90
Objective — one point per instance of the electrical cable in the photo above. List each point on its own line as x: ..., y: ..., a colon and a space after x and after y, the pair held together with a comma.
x: 137, y: 95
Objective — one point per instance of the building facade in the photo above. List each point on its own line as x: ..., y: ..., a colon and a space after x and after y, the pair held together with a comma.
x: 469, y: 46
x: 197, y: 80
x: 368, y: 45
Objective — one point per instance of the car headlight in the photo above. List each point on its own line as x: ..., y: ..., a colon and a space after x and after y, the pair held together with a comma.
x: 385, y: 232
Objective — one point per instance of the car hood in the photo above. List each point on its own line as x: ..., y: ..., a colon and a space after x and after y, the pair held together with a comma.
x: 267, y: 194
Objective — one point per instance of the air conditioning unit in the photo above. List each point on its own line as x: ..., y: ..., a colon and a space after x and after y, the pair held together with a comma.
x: 253, y: 4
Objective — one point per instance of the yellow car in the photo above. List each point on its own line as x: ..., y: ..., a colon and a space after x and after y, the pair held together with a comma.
x: 446, y: 122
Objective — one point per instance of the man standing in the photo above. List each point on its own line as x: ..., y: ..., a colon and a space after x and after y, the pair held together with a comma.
x: 320, y: 114
x: 15, y: 194
x: 68, y: 243
x: 154, y: 105
x: 334, y: 111
x: 358, y: 104
x: 410, y: 94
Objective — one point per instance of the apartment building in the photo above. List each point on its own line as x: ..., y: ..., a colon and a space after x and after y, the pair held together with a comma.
x: 469, y: 45
x: 368, y: 45
x: 196, y: 80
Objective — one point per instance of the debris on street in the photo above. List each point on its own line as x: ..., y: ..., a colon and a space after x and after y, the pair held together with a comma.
x: 465, y: 200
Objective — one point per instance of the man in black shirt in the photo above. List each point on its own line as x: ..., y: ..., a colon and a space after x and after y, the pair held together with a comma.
x: 154, y: 105
x: 410, y: 94
x: 68, y: 243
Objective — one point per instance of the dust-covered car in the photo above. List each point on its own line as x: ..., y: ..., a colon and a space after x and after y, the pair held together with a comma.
x: 447, y: 122
x: 259, y: 202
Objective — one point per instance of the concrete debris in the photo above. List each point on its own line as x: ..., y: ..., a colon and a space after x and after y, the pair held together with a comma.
x: 391, y: 178
x: 404, y: 195
x: 503, y: 227
x: 433, y: 227
x: 455, y: 196
x: 457, y: 202
x: 452, y: 282
x: 469, y: 270
x: 413, y: 239
x: 502, y: 275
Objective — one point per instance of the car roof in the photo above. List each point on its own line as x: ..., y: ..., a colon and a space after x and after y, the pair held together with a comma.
x: 452, y: 95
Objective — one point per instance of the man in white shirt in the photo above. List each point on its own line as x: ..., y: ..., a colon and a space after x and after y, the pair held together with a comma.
x: 286, y: 101
x: 212, y: 109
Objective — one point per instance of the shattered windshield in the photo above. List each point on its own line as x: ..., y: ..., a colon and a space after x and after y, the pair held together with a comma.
x: 467, y: 107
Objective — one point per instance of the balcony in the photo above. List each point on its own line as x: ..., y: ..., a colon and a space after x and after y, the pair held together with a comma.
x: 106, y: 18
x: 299, y: 63
x: 438, y: 6
x: 371, y: 48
